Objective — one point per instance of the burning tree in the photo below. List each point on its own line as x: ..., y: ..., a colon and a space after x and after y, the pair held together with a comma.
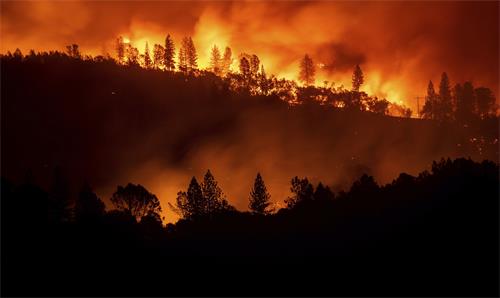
x: 307, y: 71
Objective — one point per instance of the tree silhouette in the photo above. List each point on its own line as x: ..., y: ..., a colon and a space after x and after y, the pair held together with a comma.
x: 88, y: 206
x: 169, y: 53
x: 190, y: 52
x: 227, y: 60
x: 245, y: 68
x: 254, y: 65
x: 158, y: 56
x: 187, y: 55
x: 120, y: 50
x: 216, y: 61
x: 132, y: 56
x: 357, y: 78
x: 147, y: 57
x: 72, y: 51
x: 213, y: 195
x: 323, y: 193
x: 445, y: 105
x: 364, y: 187
x: 264, y: 83
x: 429, y: 108
x: 464, y: 102
x: 190, y: 204
x: 307, y: 71
x: 18, y: 55
x: 259, y: 197
x: 135, y: 200
x: 378, y: 106
x: 485, y: 102
x: 302, y: 191
x: 182, y: 56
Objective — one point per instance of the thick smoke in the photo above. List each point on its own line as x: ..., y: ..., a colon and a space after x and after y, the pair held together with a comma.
x: 161, y: 140
x: 399, y: 45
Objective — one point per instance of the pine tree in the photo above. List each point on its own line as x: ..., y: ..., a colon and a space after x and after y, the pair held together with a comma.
x: 307, y: 71
x: 444, y: 106
x: 169, y: 53
x: 158, y: 56
x: 216, y: 61
x: 227, y: 60
x: 212, y: 194
x: 187, y: 55
x: 259, y: 197
x: 147, y: 57
x: 357, y: 78
x: 428, y: 110
x: 195, y: 200
x: 464, y: 101
x: 182, y: 64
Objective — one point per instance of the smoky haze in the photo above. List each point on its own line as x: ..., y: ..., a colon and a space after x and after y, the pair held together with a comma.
x: 121, y: 128
x: 401, y: 46
x: 111, y: 125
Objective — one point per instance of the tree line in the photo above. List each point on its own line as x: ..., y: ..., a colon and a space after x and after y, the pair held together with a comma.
x: 462, y: 103
x: 440, y: 225
x: 200, y: 200
x: 250, y: 78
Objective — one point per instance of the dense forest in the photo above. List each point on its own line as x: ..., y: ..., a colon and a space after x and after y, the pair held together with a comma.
x: 434, y: 234
x: 72, y: 123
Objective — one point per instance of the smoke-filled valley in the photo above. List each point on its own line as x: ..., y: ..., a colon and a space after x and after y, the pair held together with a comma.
x: 110, y: 125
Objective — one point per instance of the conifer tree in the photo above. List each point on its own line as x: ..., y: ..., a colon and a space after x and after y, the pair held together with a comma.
x: 429, y: 108
x: 182, y: 64
x: 357, y: 78
x: 444, y: 106
x: 212, y: 194
x: 216, y: 61
x: 188, y: 59
x: 169, y: 54
x: 259, y: 197
x: 158, y: 56
x: 307, y: 71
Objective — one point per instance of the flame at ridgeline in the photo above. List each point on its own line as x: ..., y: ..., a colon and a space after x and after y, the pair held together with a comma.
x: 400, y: 46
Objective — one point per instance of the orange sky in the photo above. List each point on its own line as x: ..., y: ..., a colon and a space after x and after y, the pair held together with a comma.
x: 400, y: 46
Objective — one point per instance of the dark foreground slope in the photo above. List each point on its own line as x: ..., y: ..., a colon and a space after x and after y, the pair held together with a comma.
x: 432, y: 235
